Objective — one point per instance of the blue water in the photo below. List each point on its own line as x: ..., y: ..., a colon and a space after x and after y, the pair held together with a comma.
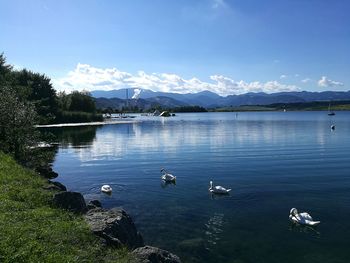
x: 273, y: 161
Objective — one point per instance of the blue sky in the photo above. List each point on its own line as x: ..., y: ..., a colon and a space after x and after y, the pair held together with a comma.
x: 229, y: 47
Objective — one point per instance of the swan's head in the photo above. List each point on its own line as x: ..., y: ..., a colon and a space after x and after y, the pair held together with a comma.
x: 293, y: 212
x: 211, y: 184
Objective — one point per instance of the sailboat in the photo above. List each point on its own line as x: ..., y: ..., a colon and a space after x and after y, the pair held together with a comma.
x: 330, y: 112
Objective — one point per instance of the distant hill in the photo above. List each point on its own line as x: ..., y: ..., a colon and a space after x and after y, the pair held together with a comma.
x: 208, y: 99
x: 145, y: 104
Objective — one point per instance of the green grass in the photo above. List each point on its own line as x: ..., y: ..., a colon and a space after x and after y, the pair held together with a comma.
x: 33, y: 231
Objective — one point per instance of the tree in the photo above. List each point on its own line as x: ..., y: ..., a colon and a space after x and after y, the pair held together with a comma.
x: 82, y: 101
x: 17, y: 120
x: 5, y: 70
x: 38, y: 89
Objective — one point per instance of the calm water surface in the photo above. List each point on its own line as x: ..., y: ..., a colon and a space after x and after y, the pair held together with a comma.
x: 272, y: 161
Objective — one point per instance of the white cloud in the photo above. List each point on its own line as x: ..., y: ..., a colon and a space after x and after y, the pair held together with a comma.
x: 328, y: 83
x: 218, y: 4
x: 283, y: 76
x: 86, y: 77
x: 305, y: 80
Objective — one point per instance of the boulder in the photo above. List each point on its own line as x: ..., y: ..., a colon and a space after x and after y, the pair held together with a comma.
x: 148, y: 254
x: 94, y: 204
x: 71, y: 201
x: 55, y: 186
x: 46, y: 172
x: 115, y: 226
x: 62, y: 187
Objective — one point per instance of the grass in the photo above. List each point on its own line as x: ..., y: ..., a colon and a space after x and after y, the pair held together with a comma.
x: 31, y: 230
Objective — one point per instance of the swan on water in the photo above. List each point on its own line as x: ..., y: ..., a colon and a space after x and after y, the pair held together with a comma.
x: 218, y: 189
x: 332, y: 127
x: 302, y: 218
x: 106, y: 189
x: 166, y: 176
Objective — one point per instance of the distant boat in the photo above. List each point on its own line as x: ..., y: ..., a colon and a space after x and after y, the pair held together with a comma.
x: 330, y: 112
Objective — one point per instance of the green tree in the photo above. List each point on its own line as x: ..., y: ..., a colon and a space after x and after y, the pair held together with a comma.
x: 17, y: 120
x: 82, y: 101
x: 38, y: 89
x: 5, y: 70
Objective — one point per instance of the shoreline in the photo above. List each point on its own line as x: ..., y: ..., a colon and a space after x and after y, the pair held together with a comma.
x: 84, y: 124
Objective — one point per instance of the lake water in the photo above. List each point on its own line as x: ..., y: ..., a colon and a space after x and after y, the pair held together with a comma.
x: 273, y: 161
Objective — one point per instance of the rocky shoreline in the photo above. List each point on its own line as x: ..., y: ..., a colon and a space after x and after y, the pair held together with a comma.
x: 113, y: 226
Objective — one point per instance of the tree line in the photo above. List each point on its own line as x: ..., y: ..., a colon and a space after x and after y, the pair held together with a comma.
x: 28, y: 98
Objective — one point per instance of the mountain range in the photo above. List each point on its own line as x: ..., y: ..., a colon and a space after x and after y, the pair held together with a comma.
x: 145, y: 99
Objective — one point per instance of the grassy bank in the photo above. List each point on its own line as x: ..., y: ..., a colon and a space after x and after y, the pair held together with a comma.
x: 33, y: 231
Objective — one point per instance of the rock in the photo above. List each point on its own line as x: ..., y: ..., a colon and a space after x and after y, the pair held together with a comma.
x: 46, y: 172
x: 94, y: 204
x: 148, y: 254
x: 52, y: 187
x: 115, y: 226
x: 57, y: 186
x: 71, y: 201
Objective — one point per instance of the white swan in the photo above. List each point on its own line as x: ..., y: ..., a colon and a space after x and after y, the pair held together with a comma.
x: 106, y: 189
x: 218, y: 189
x: 167, y: 177
x: 302, y: 218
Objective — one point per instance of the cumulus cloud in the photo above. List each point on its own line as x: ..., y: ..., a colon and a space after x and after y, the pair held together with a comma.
x: 86, y: 77
x: 305, y: 80
x: 328, y: 83
x: 283, y: 76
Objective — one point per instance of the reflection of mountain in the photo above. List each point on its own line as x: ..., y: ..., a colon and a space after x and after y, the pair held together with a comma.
x: 115, y: 98
x: 74, y: 136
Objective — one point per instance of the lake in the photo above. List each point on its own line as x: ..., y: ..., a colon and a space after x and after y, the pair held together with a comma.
x: 273, y: 161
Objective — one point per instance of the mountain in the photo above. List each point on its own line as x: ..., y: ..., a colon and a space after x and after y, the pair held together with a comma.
x: 210, y: 99
x: 203, y: 98
x: 116, y: 103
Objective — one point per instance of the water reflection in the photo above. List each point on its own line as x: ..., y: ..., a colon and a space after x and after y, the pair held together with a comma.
x: 273, y: 161
x: 75, y: 136
x: 115, y: 141
x: 165, y: 184
x: 304, y: 229
x: 214, y: 229
x: 218, y: 196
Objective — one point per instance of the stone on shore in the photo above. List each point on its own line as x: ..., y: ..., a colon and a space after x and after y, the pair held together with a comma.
x: 71, y: 201
x: 46, y: 172
x: 94, y: 204
x: 56, y: 186
x: 115, y: 226
x: 59, y: 185
x: 148, y: 254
